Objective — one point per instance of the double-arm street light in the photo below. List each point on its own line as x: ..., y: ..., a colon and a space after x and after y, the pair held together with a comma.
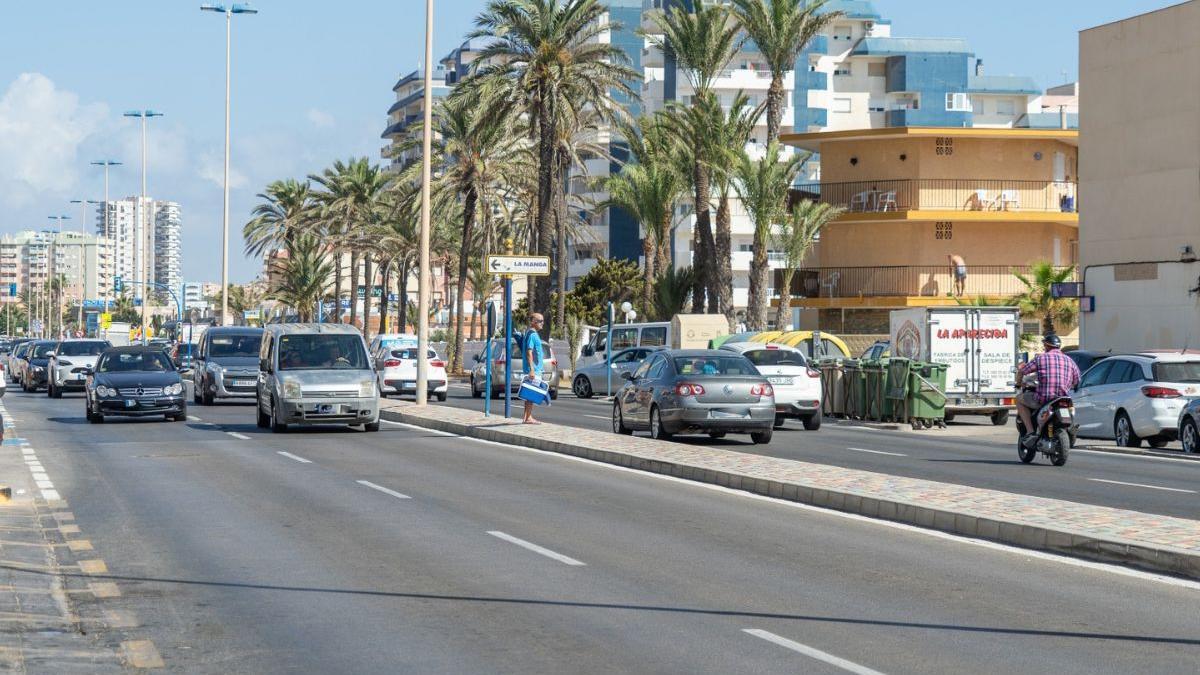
x: 106, y: 163
x: 228, y: 11
x: 143, y: 262
x: 83, y: 266
x: 47, y: 291
x: 426, y: 168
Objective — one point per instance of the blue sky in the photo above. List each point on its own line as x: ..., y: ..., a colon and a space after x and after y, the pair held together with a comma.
x: 312, y: 83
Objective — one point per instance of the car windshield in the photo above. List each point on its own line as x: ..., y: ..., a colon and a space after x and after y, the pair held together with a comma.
x: 234, y: 345
x: 82, y: 348
x: 141, y: 361
x: 714, y: 365
x: 775, y: 357
x: 41, y: 349
x: 1186, y: 371
x: 320, y: 352
x: 411, y: 354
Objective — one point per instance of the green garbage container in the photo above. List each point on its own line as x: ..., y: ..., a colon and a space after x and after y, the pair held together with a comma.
x: 873, y: 377
x: 927, y: 394
x: 896, y: 387
x: 855, y: 382
x: 831, y: 383
x: 886, y: 405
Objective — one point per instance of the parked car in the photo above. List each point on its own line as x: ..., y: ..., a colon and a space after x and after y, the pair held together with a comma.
x: 315, y: 373
x: 878, y: 350
x: 705, y: 391
x: 550, y: 372
x: 1189, y: 426
x: 396, y: 370
x: 391, y: 340
x: 1085, y: 359
x: 37, y: 358
x: 225, y: 364
x: 797, y: 385
x: 624, y: 336
x: 814, y: 344
x: 137, y: 381
x: 69, y: 363
x: 17, y: 362
x: 1136, y: 396
x: 590, y: 379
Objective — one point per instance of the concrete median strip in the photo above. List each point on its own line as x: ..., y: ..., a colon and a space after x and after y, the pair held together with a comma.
x: 1146, y: 541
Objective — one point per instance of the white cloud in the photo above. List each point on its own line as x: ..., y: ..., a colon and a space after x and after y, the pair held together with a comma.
x: 212, y: 169
x: 320, y: 118
x: 41, y: 130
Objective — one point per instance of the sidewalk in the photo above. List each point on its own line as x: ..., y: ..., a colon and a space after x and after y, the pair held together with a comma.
x: 1151, y: 542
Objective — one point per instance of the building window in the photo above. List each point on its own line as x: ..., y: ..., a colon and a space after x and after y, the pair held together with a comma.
x: 945, y: 146
x: 877, y: 69
x: 841, y: 105
x: 1006, y: 106
x: 843, y: 69
x: 843, y: 33
x: 876, y: 106
x: 943, y: 230
x: 958, y: 102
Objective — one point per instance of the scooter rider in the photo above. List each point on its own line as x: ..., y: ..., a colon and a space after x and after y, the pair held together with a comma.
x: 1056, y: 374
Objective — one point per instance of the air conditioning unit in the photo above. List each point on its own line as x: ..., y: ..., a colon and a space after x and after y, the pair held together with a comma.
x: 870, y: 25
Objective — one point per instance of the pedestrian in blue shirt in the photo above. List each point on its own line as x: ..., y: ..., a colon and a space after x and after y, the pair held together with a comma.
x: 532, y: 357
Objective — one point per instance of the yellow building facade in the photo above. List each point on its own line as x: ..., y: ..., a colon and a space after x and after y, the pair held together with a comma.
x: 998, y: 198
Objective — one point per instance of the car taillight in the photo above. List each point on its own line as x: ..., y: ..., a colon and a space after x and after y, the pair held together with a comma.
x: 437, y: 363
x: 762, y: 390
x: 554, y: 362
x: 1152, y: 391
x: 391, y: 363
x: 687, y: 389
x: 814, y: 373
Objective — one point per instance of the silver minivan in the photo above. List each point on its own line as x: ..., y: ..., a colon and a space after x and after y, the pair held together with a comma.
x: 315, y: 373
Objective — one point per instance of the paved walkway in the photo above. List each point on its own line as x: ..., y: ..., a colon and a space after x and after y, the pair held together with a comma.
x: 1157, y: 543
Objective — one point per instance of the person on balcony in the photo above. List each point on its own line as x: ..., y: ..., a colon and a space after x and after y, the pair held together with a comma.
x: 958, y: 269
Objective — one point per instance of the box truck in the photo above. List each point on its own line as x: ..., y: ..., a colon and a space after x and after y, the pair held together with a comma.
x: 980, y: 347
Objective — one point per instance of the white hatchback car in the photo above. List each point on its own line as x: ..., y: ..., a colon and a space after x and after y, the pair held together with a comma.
x: 1137, y: 396
x: 797, y: 385
x: 396, y: 369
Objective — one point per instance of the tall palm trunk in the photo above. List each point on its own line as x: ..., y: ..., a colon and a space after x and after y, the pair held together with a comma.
x: 369, y: 282
x: 783, y: 313
x: 560, y: 304
x: 648, y: 275
x: 405, y: 272
x: 723, y: 262
x: 354, y: 286
x: 664, y: 261
x: 774, y: 107
x: 547, y: 170
x: 385, y: 271
x: 702, y: 238
x: 337, y: 284
x: 470, y: 198
x: 757, y: 313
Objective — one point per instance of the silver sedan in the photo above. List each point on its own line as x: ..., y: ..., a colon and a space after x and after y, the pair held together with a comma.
x: 594, y: 378
x: 696, y: 391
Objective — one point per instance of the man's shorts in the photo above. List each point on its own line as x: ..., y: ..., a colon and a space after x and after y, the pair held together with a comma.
x: 1030, y: 400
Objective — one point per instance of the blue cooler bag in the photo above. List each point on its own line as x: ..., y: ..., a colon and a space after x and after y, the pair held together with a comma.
x: 536, y: 392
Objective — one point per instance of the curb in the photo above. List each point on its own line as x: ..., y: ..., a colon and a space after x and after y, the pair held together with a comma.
x: 1114, y: 450
x: 1065, y: 541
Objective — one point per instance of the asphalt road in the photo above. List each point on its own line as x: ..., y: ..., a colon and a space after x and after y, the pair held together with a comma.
x: 974, y: 454
x: 405, y: 551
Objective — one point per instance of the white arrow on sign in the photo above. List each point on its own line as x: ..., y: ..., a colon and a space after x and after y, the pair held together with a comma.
x: 527, y: 265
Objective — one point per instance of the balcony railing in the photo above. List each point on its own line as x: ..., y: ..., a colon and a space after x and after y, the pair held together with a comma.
x: 946, y: 194
x: 903, y: 280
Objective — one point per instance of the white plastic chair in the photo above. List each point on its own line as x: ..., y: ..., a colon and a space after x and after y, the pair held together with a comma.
x: 887, y: 201
x: 830, y: 283
x: 1010, y: 198
x: 859, y: 201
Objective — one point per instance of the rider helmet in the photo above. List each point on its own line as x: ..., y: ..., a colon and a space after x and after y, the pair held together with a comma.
x: 1052, y: 340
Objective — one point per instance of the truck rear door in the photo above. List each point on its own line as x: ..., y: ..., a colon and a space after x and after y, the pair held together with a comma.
x: 996, y: 336
x: 948, y: 344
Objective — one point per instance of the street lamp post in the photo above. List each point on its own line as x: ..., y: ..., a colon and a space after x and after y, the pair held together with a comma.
x: 83, y: 266
x: 228, y: 11
x: 106, y: 163
x: 143, y: 262
x: 52, y: 307
x: 426, y: 167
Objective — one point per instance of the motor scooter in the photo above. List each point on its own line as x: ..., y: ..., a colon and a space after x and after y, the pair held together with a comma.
x: 1055, y: 424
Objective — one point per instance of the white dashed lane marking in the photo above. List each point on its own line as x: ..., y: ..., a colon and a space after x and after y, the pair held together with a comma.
x: 291, y: 456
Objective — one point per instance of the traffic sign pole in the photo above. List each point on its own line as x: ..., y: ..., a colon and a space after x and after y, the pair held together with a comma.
x: 612, y: 315
x: 507, y: 347
x: 487, y: 355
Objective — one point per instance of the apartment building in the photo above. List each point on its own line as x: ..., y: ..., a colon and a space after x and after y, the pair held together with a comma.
x: 194, y: 296
x: 30, y: 259
x: 1140, y: 181
x: 125, y: 225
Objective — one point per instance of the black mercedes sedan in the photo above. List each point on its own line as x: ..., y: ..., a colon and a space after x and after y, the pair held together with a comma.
x: 134, y: 382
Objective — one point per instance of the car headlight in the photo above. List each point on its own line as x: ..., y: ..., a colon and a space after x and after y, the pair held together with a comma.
x: 366, y: 388
x: 105, y: 392
x: 291, y: 389
x: 173, y: 389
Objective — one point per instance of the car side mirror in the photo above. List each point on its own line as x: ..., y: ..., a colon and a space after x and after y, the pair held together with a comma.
x: 264, y: 365
x: 478, y: 358
x: 589, y: 351
x: 89, y: 371
x: 626, y: 375
x: 51, y: 355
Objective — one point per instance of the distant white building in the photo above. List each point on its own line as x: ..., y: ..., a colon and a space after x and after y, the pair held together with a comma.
x: 29, y: 259
x: 194, y: 296
x: 168, y: 262
x: 126, y: 226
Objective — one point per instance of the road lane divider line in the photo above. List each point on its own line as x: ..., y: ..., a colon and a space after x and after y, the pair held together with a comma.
x: 193, y: 418
x: 294, y: 457
x: 566, y: 560
x: 141, y: 654
x: 812, y: 652
x: 397, y: 495
x: 878, y: 452
x: 1142, y: 485
x: 606, y: 418
x: 240, y: 437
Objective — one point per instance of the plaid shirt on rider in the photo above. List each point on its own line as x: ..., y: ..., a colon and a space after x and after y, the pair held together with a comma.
x: 1057, y: 374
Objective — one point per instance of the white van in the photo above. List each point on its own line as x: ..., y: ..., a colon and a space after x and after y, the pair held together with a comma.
x: 624, y: 336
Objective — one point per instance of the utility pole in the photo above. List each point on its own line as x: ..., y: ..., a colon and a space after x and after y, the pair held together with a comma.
x: 144, y: 236
x: 426, y: 167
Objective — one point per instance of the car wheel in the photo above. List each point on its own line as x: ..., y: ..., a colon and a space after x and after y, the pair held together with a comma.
x: 949, y: 417
x: 657, y: 431
x: 1123, y: 432
x: 371, y: 426
x: 196, y: 393
x: 618, y: 421
x: 206, y: 395
x: 50, y: 390
x: 716, y: 435
x: 263, y: 420
x: 999, y: 418
x: 1158, y: 442
x: 442, y: 397
x: 276, y: 427
x: 812, y: 422
x: 1189, y: 436
x: 475, y: 393
x: 582, y: 387
x: 761, y: 437
x: 553, y: 394
x: 780, y: 420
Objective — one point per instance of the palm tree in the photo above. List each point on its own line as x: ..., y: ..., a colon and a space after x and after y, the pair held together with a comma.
x: 763, y: 186
x: 703, y: 42
x: 1037, y: 301
x: 781, y: 29
x: 671, y: 292
x: 796, y: 238
x: 301, y: 279
x: 547, y: 60
x: 285, y: 210
x: 731, y: 131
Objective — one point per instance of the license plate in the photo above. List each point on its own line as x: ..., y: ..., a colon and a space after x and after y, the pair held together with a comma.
x: 972, y: 402
x: 244, y: 383
x: 726, y: 415
x: 779, y: 380
x: 130, y: 403
x: 408, y: 385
